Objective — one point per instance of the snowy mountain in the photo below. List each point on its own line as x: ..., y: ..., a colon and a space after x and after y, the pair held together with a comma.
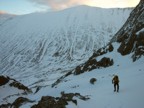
x: 5, y: 17
x: 123, y: 56
x: 36, y: 46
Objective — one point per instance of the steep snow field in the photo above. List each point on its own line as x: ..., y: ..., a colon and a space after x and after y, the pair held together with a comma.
x: 5, y: 17
x: 38, y: 49
x: 36, y: 46
x: 101, y: 94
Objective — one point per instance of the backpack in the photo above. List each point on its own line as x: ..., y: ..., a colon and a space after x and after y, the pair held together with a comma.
x: 116, y: 79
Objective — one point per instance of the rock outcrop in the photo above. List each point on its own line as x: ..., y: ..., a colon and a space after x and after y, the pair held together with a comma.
x: 3, y: 80
x: 92, y: 63
x: 59, y: 102
x: 131, y: 35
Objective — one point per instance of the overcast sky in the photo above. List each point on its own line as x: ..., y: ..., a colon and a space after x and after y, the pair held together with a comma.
x: 29, y: 6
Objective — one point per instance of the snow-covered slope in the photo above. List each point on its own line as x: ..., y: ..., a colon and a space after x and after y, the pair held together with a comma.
x: 5, y: 17
x: 36, y: 46
x: 100, y: 94
x: 131, y: 74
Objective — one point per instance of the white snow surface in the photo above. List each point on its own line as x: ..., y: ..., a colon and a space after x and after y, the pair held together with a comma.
x: 5, y: 17
x: 34, y: 47
x: 101, y: 94
x: 130, y: 95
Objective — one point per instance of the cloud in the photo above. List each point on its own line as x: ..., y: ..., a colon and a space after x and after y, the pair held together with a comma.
x: 3, y: 12
x: 62, y: 4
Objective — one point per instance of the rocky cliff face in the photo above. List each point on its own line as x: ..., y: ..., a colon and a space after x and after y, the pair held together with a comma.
x: 130, y: 39
x: 131, y: 35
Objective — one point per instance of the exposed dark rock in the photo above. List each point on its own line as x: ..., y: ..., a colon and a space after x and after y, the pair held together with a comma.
x: 105, y: 62
x: 58, y: 102
x: 19, y: 86
x: 111, y: 48
x: 93, y: 64
x: 139, y: 46
x: 46, y: 102
x: 61, y: 79
x: 19, y: 101
x: 3, y: 80
x: 5, y: 105
x: 130, y: 41
x: 93, y: 80
x: 102, y: 51
x: 78, y: 70
x: 37, y: 89
x: 126, y: 47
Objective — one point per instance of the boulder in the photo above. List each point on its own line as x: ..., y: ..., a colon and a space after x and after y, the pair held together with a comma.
x: 19, y: 101
x: 93, y: 80
x: 3, y: 80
